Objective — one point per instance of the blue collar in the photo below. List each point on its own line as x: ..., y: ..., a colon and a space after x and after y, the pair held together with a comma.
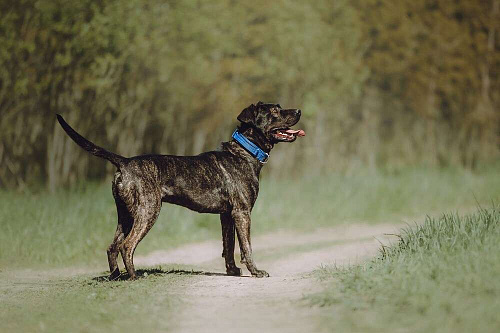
x: 251, y: 147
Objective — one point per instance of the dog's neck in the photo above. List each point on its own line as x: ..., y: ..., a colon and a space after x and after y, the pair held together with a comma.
x: 257, y: 137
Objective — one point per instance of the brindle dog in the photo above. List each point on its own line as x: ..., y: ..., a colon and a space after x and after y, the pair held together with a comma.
x: 224, y: 182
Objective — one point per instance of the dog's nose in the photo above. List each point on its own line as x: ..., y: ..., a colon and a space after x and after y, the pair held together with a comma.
x: 298, y: 112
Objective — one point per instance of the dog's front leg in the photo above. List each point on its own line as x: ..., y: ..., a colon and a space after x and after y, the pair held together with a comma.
x: 242, y: 223
x: 227, y: 224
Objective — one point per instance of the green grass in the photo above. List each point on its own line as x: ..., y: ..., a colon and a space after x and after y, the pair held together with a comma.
x: 442, y: 276
x: 39, y: 303
x: 74, y: 227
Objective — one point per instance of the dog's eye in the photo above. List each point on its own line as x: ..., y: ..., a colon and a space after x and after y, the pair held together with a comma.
x: 274, y: 112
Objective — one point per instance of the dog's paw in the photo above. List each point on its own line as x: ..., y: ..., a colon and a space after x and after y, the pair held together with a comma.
x: 233, y: 271
x: 260, y: 273
x: 114, y: 275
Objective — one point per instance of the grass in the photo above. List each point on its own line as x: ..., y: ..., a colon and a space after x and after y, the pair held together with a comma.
x: 37, y: 303
x: 74, y: 227
x: 442, y: 276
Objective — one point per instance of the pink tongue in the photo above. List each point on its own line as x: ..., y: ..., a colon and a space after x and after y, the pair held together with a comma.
x: 298, y: 132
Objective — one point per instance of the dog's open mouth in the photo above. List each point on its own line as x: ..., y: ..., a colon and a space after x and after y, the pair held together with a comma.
x: 287, y: 134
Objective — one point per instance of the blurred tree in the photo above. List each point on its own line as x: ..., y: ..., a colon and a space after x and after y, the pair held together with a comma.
x: 382, y: 83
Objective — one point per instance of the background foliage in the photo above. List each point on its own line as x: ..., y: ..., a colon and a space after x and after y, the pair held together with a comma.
x: 382, y: 83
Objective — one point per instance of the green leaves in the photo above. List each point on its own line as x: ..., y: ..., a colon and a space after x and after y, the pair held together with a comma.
x: 392, y: 83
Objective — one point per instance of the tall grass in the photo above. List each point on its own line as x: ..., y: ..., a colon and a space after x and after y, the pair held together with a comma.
x: 75, y: 226
x: 442, y: 276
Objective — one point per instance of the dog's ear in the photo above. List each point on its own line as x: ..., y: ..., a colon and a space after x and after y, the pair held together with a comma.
x: 260, y: 103
x: 247, y: 116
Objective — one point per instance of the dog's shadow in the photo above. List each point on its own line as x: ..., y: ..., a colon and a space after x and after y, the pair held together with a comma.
x: 144, y: 273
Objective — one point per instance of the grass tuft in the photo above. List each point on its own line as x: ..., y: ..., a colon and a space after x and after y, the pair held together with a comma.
x: 442, y: 276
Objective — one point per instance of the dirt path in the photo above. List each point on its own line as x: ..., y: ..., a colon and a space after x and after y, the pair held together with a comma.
x: 217, y: 303
x: 80, y: 299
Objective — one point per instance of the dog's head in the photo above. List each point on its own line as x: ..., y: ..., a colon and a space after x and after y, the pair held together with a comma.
x: 272, y: 122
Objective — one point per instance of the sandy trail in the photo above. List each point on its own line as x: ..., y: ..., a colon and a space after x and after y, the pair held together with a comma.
x: 217, y: 303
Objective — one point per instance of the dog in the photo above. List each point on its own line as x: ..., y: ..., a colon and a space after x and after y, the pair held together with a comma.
x: 225, y: 182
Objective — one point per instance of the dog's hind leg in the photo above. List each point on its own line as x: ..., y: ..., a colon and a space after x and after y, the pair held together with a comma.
x: 145, y: 214
x: 227, y: 224
x: 125, y: 222
x: 113, y: 253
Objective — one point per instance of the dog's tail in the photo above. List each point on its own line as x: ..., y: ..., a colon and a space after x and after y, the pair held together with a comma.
x: 89, y: 146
